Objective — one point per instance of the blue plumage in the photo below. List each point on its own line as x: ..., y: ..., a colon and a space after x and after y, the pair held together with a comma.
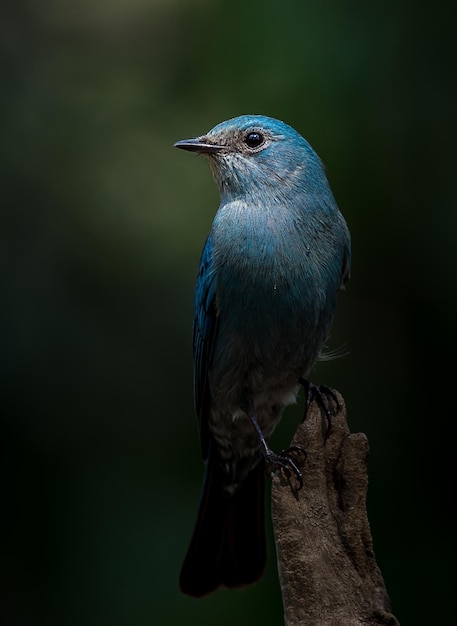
x: 277, y: 254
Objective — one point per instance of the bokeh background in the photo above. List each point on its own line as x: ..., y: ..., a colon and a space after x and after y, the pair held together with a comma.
x: 102, y: 224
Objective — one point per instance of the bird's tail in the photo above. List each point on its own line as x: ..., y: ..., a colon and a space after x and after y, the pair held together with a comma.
x: 228, y: 545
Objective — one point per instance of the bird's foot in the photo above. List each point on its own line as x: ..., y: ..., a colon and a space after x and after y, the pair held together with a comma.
x: 325, y: 397
x: 284, y: 461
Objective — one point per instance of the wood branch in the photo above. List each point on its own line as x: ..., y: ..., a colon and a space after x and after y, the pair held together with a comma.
x: 327, y: 567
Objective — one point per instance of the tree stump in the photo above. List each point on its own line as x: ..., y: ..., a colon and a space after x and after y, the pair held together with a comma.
x: 327, y: 567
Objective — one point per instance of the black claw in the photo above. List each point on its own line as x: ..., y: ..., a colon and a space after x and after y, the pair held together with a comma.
x: 284, y: 461
x: 288, y: 451
x: 322, y: 394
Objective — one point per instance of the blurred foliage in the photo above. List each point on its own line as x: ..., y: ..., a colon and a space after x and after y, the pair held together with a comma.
x: 102, y: 224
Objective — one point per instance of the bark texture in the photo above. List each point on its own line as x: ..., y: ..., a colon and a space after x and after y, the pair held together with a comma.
x: 327, y: 568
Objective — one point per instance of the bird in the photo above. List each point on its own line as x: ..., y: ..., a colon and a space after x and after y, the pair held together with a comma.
x: 275, y: 259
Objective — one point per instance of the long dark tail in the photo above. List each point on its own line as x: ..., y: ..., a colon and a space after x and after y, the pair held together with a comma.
x: 228, y: 545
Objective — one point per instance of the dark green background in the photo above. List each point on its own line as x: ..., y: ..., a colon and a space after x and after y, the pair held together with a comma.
x: 102, y: 224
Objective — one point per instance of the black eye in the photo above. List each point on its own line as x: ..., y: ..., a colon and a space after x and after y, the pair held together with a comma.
x: 254, y: 140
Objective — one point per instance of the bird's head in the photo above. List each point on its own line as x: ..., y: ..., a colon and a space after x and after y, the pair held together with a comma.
x: 255, y: 153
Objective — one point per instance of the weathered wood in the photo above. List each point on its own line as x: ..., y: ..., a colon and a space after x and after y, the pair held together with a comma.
x: 327, y: 567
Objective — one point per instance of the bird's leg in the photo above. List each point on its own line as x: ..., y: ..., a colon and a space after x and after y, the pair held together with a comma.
x: 322, y: 394
x: 282, y: 460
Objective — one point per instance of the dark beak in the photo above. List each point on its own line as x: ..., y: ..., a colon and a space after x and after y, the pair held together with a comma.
x: 199, y: 144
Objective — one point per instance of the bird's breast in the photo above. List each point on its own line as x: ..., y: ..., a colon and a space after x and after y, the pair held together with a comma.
x: 276, y: 288
x: 271, y: 302
x: 264, y: 263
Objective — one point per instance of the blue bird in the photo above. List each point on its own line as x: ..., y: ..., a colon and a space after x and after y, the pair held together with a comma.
x: 270, y: 272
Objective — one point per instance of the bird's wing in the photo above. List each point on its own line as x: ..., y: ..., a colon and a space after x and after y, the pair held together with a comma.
x: 204, y: 333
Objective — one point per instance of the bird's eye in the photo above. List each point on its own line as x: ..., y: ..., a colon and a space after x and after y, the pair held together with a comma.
x: 254, y: 140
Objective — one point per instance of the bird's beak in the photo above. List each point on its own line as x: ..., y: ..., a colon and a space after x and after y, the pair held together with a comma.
x: 199, y: 144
